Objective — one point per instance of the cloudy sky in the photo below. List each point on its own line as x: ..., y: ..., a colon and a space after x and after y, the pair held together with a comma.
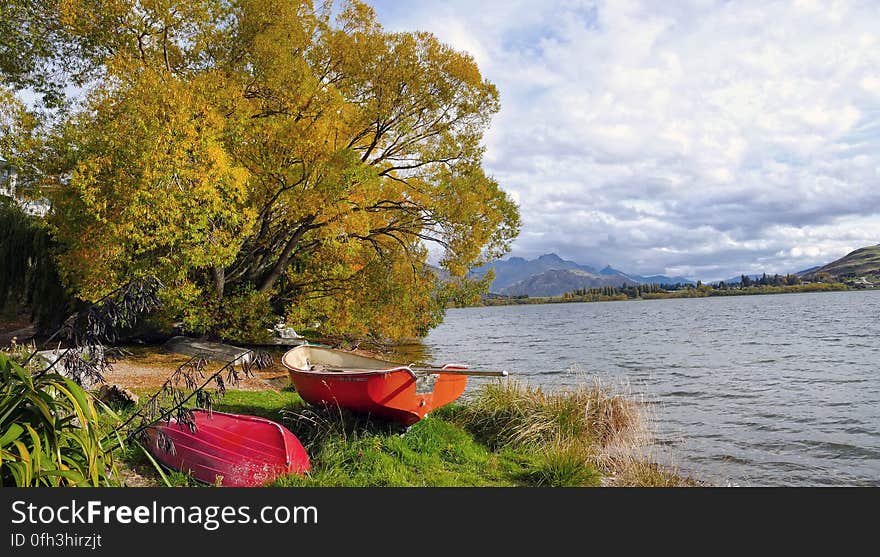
x: 697, y: 137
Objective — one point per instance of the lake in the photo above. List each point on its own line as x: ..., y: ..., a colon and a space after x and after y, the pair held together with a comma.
x: 776, y: 390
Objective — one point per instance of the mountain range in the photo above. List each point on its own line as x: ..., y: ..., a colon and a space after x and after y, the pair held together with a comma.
x: 550, y: 275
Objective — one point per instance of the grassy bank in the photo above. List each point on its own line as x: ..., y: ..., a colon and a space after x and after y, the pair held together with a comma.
x: 506, y: 435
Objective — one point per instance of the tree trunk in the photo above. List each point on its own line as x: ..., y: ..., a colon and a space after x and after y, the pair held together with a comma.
x: 219, y: 282
x: 286, y: 254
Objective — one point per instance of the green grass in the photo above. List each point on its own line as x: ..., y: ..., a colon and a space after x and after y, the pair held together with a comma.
x: 432, y: 453
x: 266, y: 404
x: 506, y: 435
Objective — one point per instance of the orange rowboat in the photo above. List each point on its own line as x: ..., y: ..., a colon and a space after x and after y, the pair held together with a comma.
x: 397, y: 392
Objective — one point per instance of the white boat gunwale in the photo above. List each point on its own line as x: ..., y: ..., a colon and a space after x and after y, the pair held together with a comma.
x: 356, y: 369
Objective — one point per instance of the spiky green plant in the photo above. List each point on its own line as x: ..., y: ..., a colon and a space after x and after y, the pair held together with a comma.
x: 49, y: 432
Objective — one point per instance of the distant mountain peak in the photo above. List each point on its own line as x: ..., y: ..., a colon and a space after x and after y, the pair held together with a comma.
x: 515, y: 269
x: 550, y: 258
x: 519, y: 271
x: 556, y: 282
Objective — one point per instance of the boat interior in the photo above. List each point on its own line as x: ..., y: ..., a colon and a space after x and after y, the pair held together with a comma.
x: 316, y: 358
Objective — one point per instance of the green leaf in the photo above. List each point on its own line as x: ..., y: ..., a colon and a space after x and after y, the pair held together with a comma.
x: 25, y: 461
x: 12, y: 432
x: 156, y: 465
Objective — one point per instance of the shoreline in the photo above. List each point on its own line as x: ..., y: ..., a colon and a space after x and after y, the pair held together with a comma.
x: 696, y: 292
x: 466, y: 443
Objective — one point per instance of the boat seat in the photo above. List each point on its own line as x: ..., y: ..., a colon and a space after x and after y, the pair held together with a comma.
x: 322, y: 367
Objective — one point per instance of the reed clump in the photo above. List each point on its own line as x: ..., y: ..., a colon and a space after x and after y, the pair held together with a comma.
x: 513, y: 414
x: 580, y: 433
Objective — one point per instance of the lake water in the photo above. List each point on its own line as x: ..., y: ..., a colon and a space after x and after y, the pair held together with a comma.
x: 780, y: 390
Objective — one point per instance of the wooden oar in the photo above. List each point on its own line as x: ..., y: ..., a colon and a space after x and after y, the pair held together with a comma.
x: 460, y: 371
x: 456, y: 369
x: 451, y: 370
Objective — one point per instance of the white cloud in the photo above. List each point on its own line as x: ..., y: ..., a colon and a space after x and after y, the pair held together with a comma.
x: 707, y: 136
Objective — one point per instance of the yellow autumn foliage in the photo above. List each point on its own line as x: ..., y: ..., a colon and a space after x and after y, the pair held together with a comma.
x: 274, y: 150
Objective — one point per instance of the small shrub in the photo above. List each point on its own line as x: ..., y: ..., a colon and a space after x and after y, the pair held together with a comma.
x: 246, y: 317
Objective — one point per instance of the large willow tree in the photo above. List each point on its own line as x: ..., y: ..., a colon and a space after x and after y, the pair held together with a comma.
x: 266, y: 156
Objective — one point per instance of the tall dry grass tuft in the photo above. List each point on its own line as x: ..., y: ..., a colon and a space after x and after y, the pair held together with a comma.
x: 643, y: 473
x: 510, y: 413
x: 631, y: 457
x: 591, y: 423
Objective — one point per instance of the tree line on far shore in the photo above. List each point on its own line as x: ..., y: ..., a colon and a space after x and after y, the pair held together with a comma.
x: 775, y: 284
x: 766, y: 284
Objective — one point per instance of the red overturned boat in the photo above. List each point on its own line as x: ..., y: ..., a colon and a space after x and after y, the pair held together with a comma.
x: 231, y: 450
x: 397, y: 392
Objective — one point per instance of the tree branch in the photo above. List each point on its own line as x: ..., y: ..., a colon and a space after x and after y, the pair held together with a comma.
x: 286, y: 253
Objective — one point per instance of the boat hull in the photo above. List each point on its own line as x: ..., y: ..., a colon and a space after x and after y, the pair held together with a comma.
x: 396, y: 393
x: 230, y: 450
